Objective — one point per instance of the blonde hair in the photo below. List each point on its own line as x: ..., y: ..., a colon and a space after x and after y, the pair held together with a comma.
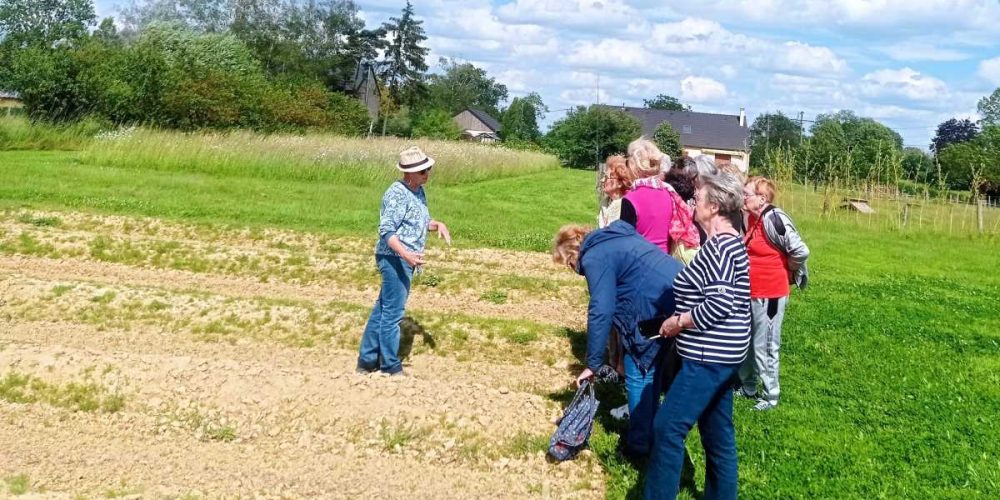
x: 764, y: 187
x: 644, y: 157
x: 620, y: 174
x: 566, y: 247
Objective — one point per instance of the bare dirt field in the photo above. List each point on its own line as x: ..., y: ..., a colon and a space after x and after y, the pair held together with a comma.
x: 157, y: 360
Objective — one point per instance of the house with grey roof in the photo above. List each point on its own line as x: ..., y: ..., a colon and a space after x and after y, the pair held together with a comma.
x: 363, y: 85
x: 9, y: 101
x: 477, y: 125
x: 726, y: 138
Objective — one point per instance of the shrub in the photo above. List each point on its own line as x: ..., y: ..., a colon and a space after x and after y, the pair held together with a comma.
x: 668, y: 140
x: 436, y: 124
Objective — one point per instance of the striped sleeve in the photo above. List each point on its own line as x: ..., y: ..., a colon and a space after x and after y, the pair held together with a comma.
x: 719, y: 291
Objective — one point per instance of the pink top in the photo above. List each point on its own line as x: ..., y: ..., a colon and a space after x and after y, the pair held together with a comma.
x: 654, y: 209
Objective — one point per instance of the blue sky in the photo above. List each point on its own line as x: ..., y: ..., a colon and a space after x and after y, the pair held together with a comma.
x: 908, y: 63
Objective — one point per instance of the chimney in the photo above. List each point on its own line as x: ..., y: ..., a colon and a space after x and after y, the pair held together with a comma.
x: 743, y: 118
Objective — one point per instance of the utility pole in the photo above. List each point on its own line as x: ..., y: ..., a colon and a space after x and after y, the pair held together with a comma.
x: 801, y: 116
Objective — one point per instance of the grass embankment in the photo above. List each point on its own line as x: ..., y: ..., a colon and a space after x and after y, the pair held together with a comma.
x: 889, y: 364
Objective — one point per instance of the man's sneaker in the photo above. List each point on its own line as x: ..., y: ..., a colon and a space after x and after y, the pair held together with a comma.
x: 400, y: 373
x: 362, y: 371
x: 741, y: 392
x: 763, y: 405
x: 620, y: 413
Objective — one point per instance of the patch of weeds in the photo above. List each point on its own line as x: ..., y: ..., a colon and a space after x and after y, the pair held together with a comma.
x: 525, y: 443
x: 26, y: 244
x: 122, y: 490
x: 224, y: 433
x: 60, y: 290
x: 523, y: 337
x: 495, y: 296
x: 427, y: 279
x: 396, y: 437
x: 17, y: 485
x: 87, y: 396
x: 105, y: 298
x: 27, y: 218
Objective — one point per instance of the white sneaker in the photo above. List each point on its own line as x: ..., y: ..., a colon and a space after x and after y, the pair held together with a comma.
x: 620, y: 413
x: 763, y: 405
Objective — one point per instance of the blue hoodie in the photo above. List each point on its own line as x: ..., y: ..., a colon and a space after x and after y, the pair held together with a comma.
x: 630, y: 281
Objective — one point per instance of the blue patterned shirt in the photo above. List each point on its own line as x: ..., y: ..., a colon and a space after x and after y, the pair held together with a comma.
x: 404, y: 214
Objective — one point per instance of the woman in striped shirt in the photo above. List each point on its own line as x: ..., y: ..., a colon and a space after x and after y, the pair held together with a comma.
x: 712, y: 325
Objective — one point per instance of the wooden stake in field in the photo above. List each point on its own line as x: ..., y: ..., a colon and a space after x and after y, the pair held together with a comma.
x: 979, y: 215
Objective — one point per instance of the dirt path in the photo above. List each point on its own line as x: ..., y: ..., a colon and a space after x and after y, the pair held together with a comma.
x: 188, y: 409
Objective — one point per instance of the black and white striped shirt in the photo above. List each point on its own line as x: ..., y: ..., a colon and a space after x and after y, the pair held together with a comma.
x: 715, y: 287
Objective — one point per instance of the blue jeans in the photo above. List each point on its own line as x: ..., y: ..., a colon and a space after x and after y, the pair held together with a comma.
x: 702, y: 393
x: 380, y: 342
x: 643, y: 392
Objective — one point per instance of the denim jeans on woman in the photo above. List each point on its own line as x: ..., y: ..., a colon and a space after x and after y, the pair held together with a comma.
x: 701, y: 393
x: 643, y: 390
x: 380, y: 342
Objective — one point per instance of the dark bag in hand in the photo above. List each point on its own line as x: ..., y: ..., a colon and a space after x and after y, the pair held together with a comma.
x: 576, y: 424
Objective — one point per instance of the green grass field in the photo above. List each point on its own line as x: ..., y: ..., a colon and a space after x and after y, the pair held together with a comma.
x: 891, y: 362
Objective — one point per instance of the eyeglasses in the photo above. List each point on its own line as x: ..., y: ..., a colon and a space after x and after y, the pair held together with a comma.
x: 426, y: 170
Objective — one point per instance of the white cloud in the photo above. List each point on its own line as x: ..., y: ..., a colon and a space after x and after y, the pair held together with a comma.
x: 890, y: 15
x: 805, y: 59
x: 693, y: 36
x: 584, y: 97
x: 628, y: 57
x: 903, y: 82
x: 913, y: 50
x: 702, y: 89
x: 600, y: 14
x: 990, y: 70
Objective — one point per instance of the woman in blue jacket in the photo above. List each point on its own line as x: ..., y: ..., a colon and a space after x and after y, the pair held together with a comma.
x: 631, y: 287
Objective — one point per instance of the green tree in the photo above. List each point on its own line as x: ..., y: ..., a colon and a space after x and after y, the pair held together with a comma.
x: 771, y: 131
x: 405, y: 59
x: 44, y: 22
x: 668, y: 140
x: 462, y: 86
x: 989, y: 108
x: 953, y: 131
x: 587, y: 136
x: 663, y: 101
x: 918, y: 166
x: 436, y: 124
x: 959, y: 160
x: 203, y: 16
x: 520, y: 119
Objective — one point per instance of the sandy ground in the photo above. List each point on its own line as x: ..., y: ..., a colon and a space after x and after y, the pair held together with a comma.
x: 255, y: 415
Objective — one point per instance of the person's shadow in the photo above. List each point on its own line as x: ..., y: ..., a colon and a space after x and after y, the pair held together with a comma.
x: 409, y: 330
x: 612, y: 395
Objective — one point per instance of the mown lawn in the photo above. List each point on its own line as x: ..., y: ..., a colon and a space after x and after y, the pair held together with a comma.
x: 890, y: 362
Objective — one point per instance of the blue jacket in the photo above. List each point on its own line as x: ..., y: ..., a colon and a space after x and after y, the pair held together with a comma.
x: 630, y: 281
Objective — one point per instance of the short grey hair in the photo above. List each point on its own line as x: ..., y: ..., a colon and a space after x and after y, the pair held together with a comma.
x: 726, y: 191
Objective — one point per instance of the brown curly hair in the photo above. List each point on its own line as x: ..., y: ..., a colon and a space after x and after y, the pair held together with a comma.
x: 566, y: 246
x: 620, y: 174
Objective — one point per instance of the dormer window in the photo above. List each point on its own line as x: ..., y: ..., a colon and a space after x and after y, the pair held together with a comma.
x: 687, y: 129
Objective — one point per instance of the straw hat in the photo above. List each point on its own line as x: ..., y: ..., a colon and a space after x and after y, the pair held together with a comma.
x: 413, y: 159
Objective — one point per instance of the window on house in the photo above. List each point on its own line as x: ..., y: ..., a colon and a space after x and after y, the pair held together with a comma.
x: 686, y: 129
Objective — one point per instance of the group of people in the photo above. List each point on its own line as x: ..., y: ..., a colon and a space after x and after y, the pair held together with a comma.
x: 689, y: 275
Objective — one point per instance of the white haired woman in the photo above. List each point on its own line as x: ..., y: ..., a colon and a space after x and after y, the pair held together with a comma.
x: 712, y: 326
x: 402, y: 231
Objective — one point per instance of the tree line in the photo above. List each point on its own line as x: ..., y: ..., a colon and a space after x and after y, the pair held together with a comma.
x: 964, y: 155
x: 260, y: 64
x: 279, y: 65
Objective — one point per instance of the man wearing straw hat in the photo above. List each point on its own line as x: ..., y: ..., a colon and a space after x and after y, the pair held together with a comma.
x: 402, y: 231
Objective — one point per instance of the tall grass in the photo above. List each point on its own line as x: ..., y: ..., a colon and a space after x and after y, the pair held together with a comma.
x: 313, y: 157
x: 19, y: 133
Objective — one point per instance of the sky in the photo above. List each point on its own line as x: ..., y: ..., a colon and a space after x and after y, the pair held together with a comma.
x: 910, y: 64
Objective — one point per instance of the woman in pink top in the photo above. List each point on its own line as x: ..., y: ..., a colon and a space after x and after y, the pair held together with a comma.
x: 649, y: 205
